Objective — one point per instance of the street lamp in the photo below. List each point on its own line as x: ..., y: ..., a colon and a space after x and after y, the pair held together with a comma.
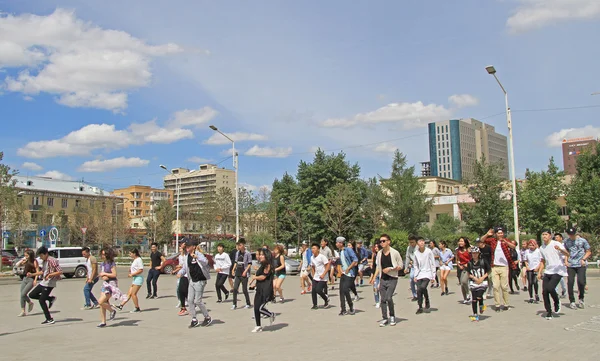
x: 235, y: 166
x: 492, y: 71
x: 178, y: 190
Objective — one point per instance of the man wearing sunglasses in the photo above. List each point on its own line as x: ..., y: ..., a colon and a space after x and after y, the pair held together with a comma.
x: 389, y: 262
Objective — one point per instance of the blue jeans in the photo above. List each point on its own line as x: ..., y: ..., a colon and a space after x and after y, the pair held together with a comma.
x: 87, y: 293
x: 413, y: 285
x: 375, y: 289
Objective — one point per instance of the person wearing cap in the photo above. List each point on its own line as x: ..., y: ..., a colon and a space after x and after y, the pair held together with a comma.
x: 579, y: 252
x: 305, y: 281
x: 554, y: 269
x: 348, y: 263
x: 478, y: 270
x: 424, y: 271
x: 501, y: 263
x: 389, y: 263
x: 195, y: 266
x: 558, y: 237
x: 363, y: 254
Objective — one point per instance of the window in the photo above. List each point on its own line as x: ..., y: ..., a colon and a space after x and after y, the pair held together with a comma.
x: 50, y: 202
x: 427, y: 218
x: 65, y: 203
x: 77, y: 203
x: 136, y: 225
x: 29, y: 183
x: 563, y: 211
x: 35, y: 201
x: 49, y: 219
x: 34, y: 217
x: 70, y: 253
x: 53, y: 254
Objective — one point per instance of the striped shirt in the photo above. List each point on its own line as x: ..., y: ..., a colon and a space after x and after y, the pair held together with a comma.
x: 50, y: 266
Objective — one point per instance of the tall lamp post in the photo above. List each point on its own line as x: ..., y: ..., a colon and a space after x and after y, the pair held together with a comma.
x: 178, y: 190
x: 235, y: 166
x: 492, y: 71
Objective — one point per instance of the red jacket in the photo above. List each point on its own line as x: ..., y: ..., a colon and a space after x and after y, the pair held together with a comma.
x: 493, y: 242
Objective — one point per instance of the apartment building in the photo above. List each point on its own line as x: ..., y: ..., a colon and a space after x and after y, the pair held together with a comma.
x: 572, y: 148
x: 195, y: 187
x: 141, y: 201
x: 455, y: 145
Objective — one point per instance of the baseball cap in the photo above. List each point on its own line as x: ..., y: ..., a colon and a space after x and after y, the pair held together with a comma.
x: 190, y: 242
x: 474, y: 249
x: 340, y: 240
x: 304, y: 242
x: 571, y: 231
x: 498, y: 229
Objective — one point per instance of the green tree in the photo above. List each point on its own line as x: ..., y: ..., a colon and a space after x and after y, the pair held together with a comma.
x: 287, y: 222
x: 443, y: 228
x: 491, y: 207
x: 583, y: 197
x: 399, y: 239
x: 538, y: 208
x: 405, y: 201
x: 371, y: 209
x: 225, y: 210
x: 315, y: 180
x: 165, y: 215
x: 248, y: 211
x: 340, y: 209
x: 7, y: 193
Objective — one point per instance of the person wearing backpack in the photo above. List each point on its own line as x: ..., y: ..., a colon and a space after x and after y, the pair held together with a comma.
x: 348, y: 263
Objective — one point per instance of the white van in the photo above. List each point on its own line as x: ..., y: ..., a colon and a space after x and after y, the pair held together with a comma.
x: 71, y: 260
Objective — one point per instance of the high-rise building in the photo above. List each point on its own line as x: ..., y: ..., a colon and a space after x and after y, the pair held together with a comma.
x: 140, y: 201
x: 572, y: 148
x: 455, y: 145
x: 198, y: 186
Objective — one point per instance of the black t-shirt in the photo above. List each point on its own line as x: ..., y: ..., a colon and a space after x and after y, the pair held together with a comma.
x: 479, y: 268
x: 486, y: 254
x: 232, y: 257
x: 155, y: 258
x: 239, y: 269
x: 278, y: 264
x: 196, y: 273
x: 386, y: 262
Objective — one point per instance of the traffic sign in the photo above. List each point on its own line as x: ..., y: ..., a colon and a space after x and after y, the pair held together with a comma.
x: 43, y: 233
x: 53, y: 235
x: 83, y: 229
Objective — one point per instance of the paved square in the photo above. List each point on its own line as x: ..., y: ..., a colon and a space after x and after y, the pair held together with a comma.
x: 299, y: 333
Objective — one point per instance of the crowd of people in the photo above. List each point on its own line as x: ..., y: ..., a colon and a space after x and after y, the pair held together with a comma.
x: 488, y: 268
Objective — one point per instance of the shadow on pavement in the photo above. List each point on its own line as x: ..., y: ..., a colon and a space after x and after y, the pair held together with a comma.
x: 125, y: 323
x: 276, y: 327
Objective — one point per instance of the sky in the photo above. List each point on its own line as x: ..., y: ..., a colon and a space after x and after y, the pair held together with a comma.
x: 108, y: 91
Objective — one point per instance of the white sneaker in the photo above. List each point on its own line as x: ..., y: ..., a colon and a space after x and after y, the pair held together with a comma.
x: 392, y: 321
x: 356, y: 298
x: 247, y: 306
x: 257, y: 329
x: 573, y: 305
x: 22, y: 314
x: 233, y: 307
x: 377, y: 305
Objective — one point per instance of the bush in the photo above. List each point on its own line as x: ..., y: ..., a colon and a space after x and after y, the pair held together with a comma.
x: 259, y: 239
x: 399, y: 239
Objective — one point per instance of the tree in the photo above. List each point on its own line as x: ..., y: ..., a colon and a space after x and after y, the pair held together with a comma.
x: 19, y: 220
x: 584, y: 193
x: 445, y: 227
x: 164, y: 214
x: 538, y: 208
x: 315, y: 180
x: 340, y: 209
x: 248, y: 211
x: 491, y: 207
x: 284, y: 205
x: 405, y: 200
x: 371, y: 209
x: 7, y: 194
x: 225, y: 209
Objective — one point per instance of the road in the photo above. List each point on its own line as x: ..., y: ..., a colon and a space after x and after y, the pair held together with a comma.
x: 299, y: 333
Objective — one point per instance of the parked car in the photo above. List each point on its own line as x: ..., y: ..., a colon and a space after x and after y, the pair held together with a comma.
x: 173, y: 261
x: 70, y: 259
x: 7, y: 258
x: 292, y: 267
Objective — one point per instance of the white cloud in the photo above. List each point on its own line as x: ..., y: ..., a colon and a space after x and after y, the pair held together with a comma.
x: 32, y: 166
x: 385, y: 148
x: 463, y: 100
x: 92, y: 137
x: 112, y: 164
x: 411, y: 115
x: 556, y: 139
x: 192, y: 117
x: 219, y: 139
x: 81, y: 63
x: 314, y: 149
x: 54, y: 174
x: 198, y: 160
x: 535, y: 14
x: 268, y: 152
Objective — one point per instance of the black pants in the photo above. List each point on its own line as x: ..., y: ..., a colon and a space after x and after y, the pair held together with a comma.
x: 152, y: 280
x: 346, y: 283
x: 422, y: 292
x: 182, y: 290
x: 513, y: 276
x: 581, y: 281
x: 220, y: 285
x: 549, y: 283
x: 318, y: 288
x: 477, y: 299
x: 260, y: 307
x: 437, y: 280
x: 533, y: 283
x: 42, y: 294
x: 236, y: 286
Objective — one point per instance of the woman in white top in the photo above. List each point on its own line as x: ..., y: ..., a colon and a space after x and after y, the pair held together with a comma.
x: 446, y: 258
x: 135, y: 273
x: 532, y: 259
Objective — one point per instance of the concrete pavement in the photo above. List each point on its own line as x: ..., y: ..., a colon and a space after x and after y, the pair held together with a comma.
x: 299, y: 333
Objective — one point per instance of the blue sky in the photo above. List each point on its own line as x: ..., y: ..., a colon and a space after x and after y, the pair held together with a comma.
x: 107, y: 91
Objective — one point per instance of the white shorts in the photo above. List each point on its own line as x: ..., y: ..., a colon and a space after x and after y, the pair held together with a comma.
x: 361, y: 267
x: 303, y: 273
x: 445, y: 268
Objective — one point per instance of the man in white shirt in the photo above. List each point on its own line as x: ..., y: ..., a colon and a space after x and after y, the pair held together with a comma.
x: 320, y: 272
x: 222, y: 266
x: 389, y: 262
x: 424, y: 271
x: 554, y: 269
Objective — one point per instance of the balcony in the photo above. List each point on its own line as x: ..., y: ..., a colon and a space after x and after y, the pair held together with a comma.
x: 35, y: 207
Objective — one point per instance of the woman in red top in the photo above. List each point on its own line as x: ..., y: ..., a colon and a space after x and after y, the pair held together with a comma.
x: 463, y: 256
